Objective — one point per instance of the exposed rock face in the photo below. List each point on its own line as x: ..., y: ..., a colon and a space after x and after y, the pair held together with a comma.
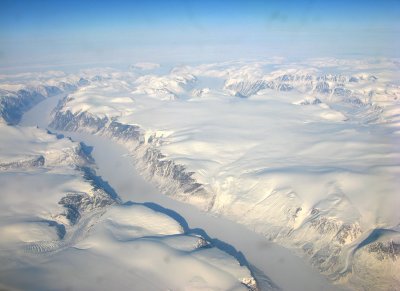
x: 355, y: 105
x: 80, y: 203
x: 323, y: 85
x: 171, y: 178
x: 250, y: 283
x: 385, y: 250
x: 245, y: 89
x: 77, y: 204
x: 328, y: 254
x: 24, y: 163
x: 13, y: 104
x: 70, y: 122
x: 375, y: 261
x: 123, y: 131
x: 314, y: 101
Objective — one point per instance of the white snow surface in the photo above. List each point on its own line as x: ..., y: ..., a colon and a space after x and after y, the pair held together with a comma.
x: 306, y: 153
x: 244, y: 150
x: 301, y: 152
x: 110, y: 247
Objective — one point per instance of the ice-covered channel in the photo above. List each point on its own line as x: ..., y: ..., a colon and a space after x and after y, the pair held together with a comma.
x: 266, y: 259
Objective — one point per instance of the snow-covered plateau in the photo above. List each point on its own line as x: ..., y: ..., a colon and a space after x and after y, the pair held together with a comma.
x: 305, y: 153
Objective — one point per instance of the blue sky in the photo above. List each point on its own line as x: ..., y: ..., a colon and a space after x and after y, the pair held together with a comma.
x: 62, y: 32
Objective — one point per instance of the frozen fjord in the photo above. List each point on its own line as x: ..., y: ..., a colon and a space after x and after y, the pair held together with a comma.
x: 283, y: 269
x: 305, y: 105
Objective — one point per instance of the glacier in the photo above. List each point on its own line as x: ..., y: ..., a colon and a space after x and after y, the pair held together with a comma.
x: 60, y: 220
x: 303, y: 153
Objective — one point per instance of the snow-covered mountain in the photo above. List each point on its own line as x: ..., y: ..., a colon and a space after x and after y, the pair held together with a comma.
x: 307, y: 155
x: 20, y: 93
x: 59, y: 220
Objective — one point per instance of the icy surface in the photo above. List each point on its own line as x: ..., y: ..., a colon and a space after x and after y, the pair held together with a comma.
x: 60, y: 221
x: 304, y: 153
